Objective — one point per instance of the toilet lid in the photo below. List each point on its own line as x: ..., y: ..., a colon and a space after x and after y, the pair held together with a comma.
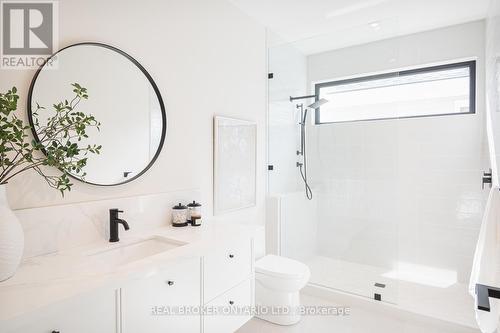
x: 280, y: 267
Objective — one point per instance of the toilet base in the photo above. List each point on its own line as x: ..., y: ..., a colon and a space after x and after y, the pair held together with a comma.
x: 278, y: 307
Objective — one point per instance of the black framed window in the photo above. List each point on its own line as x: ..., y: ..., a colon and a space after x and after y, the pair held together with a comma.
x: 423, y: 92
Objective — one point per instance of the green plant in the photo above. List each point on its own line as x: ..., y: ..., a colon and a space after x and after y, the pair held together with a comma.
x: 59, y: 145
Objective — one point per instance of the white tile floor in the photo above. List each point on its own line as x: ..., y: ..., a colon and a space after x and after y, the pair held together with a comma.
x: 360, y: 320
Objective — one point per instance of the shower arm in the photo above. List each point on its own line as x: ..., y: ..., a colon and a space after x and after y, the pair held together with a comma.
x: 302, y: 97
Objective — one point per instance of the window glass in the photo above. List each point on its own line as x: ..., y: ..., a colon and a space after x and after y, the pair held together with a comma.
x: 431, y: 91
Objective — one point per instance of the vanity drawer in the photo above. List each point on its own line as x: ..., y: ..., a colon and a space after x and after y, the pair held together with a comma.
x: 226, y: 266
x: 230, y: 311
x: 147, y: 303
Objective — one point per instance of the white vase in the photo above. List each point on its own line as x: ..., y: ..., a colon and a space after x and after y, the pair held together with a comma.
x: 11, y: 239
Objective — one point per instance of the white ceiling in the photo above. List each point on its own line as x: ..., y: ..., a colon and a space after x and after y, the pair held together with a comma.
x: 320, y: 25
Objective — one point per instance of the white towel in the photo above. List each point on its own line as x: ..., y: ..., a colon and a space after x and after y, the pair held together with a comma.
x: 486, y: 266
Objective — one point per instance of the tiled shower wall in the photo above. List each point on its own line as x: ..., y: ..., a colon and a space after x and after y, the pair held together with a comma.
x: 408, y: 190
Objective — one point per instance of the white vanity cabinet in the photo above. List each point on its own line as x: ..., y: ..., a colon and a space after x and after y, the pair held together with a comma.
x: 157, y: 299
x: 94, y: 312
x: 151, y: 304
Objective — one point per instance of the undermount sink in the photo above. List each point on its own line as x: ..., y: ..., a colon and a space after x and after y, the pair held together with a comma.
x: 131, y: 252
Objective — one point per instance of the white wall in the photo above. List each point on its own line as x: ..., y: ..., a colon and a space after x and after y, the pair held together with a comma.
x: 206, y: 57
x: 401, y: 190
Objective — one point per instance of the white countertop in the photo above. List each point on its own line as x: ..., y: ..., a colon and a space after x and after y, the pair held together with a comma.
x: 48, y: 279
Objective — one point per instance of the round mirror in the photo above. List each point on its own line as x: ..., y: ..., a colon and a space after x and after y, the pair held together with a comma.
x: 122, y: 97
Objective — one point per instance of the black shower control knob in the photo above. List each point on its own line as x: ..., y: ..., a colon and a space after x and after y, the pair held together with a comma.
x: 231, y: 256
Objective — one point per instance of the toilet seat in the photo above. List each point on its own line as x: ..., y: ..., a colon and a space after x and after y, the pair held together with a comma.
x: 281, y: 267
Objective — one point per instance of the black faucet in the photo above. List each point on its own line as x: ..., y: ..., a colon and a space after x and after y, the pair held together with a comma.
x: 113, y: 224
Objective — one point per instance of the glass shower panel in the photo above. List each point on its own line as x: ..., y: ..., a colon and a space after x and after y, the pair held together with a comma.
x: 288, y: 68
x: 397, y: 203
x: 348, y: 233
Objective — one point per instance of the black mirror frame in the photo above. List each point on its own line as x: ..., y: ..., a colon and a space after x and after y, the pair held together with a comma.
x: 146, y: 74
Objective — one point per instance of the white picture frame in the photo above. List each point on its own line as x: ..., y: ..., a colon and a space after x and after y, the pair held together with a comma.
x: 235, y: 164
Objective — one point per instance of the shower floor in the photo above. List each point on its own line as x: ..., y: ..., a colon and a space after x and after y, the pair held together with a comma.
x: 418, y: 289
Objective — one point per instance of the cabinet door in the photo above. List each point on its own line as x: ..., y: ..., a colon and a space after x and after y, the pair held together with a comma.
x: 91, y: 312
x: 153, y: 304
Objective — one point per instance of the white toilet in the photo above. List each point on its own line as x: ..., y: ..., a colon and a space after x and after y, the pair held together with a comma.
x: 278, y: 281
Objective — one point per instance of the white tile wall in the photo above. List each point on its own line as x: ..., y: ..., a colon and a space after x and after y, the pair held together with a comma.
x: 409, y: 192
